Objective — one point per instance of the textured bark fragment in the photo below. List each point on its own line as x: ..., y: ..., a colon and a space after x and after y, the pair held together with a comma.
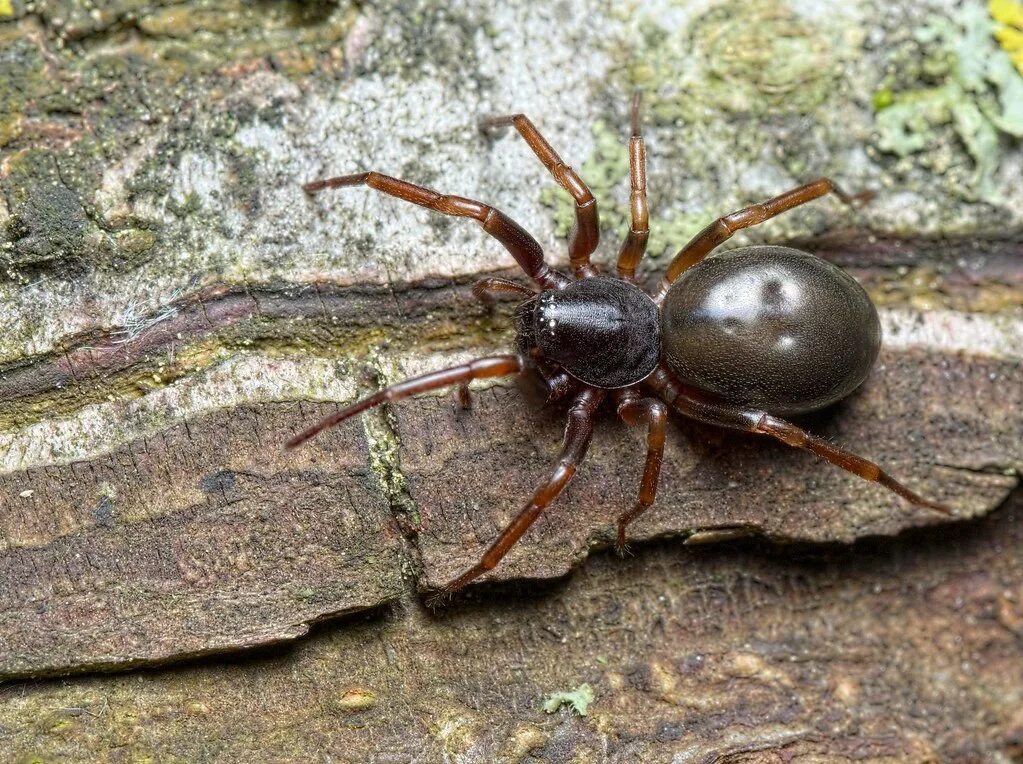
x: 204, y: 538
x: 177, y: 339
x: 153, y: 229
x: 902, y: 649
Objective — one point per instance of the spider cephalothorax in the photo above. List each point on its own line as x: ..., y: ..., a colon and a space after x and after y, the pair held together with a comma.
x: 603, y: 331
x: 734, y: 340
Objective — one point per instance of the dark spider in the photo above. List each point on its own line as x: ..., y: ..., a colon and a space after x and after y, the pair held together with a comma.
x: 733, y: 341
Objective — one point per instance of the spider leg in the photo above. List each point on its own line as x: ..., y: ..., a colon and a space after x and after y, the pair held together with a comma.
x: 523, y: 247
x: 559, y: 384
x: 494, y: 366
x: 585, y: 234
x: 696, y: 406
x: 635, y: 411
x: 485, y: 289
x: 578, y: 432
x: 464, y: 396
x: 722, y: 229
x: 634, y: 246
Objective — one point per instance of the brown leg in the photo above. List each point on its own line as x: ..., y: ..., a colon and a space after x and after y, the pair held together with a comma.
x: 577, y: 438
x: 584, y: 236
x: 484, y: 290
x: 495, y: 366
x: 634, y: 245
x: 650, y: 411
x: 523, y: 247
x: 464, y: 396
x: 752, y: 420
x: 559, y: 385
x: 723, y: 228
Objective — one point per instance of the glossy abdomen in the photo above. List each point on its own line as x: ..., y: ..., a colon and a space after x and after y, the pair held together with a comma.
x: 771, y: 328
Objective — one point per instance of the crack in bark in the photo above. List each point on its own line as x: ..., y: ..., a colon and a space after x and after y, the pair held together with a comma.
x: 907, y: 541
x: 1007, y: 470
x: 384, y: 448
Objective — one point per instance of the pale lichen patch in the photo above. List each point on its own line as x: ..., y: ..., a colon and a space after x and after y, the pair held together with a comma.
x: 100, y: 428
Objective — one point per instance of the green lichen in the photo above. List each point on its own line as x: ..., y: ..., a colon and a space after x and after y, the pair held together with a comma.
x: 383, y: 445
x: 578, y: 699
x: 979, y: 96
x: 47, y: 222
x: 80, y: 79
x: 353, y: 700
x: 704, y: 82
x: 23, y: 78
x: 606, y: 172
x: 51, y: 227
x: 190, y: 38
x: 747, y: 58
x: 132, y: 245
x: 606, y: 168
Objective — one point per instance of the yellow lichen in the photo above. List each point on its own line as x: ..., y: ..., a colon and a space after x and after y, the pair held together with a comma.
x: 1009, y: 31
x: 356, y: 699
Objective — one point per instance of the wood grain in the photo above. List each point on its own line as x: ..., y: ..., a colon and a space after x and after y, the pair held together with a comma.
x: 202, y: 539
x: 888, y: 650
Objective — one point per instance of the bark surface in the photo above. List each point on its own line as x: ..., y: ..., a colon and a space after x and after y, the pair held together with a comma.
x: 173, y: 308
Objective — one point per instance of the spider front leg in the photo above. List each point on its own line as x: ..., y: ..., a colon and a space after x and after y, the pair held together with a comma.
x: 578, y: 432
x: 485, y: 290
x: 722, y: 229
x: 634, y: 245
x: 586, y: 232
x: 753, y: 420
x: 523, y: 247
x: 481, y: 368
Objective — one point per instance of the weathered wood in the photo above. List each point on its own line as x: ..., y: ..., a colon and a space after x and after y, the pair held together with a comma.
x: 949, y: 425
x: 205, y: 537
x: 897, y: 650
x: 202, y: 538
x: 172, y: 306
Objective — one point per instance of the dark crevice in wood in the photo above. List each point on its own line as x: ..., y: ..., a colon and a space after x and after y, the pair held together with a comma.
x: 928, y: 547
x: 201, y: 659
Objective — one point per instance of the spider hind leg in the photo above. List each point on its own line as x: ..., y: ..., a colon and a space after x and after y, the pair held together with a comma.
x: 753, y: 420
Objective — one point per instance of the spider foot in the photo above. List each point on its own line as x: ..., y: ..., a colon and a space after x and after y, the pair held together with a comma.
x: 440, y: 598
x: 936, y: 507
x: 621, y: 545
x: 447, y: 592
x: 489, y: 124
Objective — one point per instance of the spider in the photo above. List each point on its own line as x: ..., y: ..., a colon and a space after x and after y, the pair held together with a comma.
x: 736, y: 340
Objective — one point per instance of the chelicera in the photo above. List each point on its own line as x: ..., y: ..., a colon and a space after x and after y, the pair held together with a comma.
x: 737, y: 340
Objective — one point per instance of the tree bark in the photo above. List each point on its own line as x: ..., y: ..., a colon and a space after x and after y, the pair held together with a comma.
x: 174, y: 308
